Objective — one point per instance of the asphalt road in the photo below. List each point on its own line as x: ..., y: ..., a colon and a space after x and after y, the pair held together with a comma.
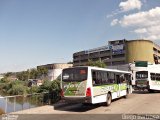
x: 138, y: 103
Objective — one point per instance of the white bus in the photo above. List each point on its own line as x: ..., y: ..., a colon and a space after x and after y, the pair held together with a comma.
x: 94, y: 85
x: 148, y: 78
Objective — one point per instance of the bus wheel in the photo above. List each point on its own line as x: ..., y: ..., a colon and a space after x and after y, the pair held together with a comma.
x: 109, y: 99
x: 150, y: 91
x: 86, y: 104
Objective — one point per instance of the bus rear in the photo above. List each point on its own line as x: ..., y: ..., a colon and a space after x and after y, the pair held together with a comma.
x: 74, y: 85
x: 142, y: 81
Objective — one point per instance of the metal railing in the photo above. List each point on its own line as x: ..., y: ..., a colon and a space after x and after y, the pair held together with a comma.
x: 21, y: 102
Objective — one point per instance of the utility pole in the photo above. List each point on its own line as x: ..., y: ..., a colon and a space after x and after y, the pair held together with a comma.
x: 28, y: 74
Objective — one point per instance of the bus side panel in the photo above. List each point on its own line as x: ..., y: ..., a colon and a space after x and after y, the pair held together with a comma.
x: 100, y: 92
x: 99, y: 99
x: 104, y: 89
x: 114, y: 95
x: 123, y: 89
x: 103, y: 98
x: 155, y: 85
x: 123, y: 92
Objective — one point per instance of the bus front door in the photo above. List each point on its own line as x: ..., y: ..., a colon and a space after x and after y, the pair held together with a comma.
x: 118, y: 85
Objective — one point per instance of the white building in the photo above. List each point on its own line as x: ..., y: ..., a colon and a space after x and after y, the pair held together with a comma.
x: 55, y: 70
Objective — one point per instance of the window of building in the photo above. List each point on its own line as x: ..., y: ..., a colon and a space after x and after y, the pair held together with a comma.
x: 118, y: 56
x: 105, y: 52
x: 105, y: 58
x: 118, y: 62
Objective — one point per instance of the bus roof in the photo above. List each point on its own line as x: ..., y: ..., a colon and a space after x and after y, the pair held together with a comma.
x: 105, y: 69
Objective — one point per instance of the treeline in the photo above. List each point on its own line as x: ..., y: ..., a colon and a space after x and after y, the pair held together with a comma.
x: 39, y: 73
x: 97, y: 63
x: 18, y: 83
x: 18, y: 87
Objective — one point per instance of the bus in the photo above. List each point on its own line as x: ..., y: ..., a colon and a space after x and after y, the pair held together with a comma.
x: 94, y: 85
x: 148, y: 78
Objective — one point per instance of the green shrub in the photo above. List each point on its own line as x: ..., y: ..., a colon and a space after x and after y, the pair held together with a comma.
x: 33, y: 89
x: 45, y: 87
x: 17, y: 89
x: 53, y: 88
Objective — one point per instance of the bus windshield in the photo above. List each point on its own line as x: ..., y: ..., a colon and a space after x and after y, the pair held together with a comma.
x: 141, y: 74
x: 74, y: 74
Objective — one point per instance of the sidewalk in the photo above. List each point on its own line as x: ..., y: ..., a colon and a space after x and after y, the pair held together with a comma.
x: 58, y: 108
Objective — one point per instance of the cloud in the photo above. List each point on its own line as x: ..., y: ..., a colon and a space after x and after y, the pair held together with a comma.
x: 145, y: 24
x: 127, y: 6
x: 140, y: 30
x: 147, y: 18
x: 130, y: 5
x: 150, y: 32
x: 117, y: 11
x: 114, y: 22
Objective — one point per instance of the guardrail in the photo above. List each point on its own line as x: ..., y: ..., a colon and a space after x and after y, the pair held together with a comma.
x: 21, y: 102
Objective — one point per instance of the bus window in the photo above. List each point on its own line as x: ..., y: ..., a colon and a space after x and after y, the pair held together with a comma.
x: 96, y: 77
x: 141, y: 74
x: 102, y: 77
x: 158, y: 77
x: 128, y: 78
x: 118, y: 79
x: 153, y: 76
x: 111, y: 78
x: 122, y: 79
x: 93, y: 77
x: 74, y: 74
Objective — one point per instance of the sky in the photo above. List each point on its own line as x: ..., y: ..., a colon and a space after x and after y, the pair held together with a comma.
x: 37, y: 32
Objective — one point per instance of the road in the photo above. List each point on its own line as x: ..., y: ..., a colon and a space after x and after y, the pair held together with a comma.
x: 136, y: 103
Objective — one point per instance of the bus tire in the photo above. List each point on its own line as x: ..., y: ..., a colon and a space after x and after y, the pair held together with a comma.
x: 86, y: 104
x: 109, y: 99
x: 150, y: 91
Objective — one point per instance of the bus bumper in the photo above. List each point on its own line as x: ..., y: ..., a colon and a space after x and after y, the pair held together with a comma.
x: 77, y: 99
x: 142, y: 87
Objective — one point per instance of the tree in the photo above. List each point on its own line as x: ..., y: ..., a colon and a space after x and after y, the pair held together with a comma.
x: 55, y: 91
x: 70, y: 62
x: 22, y: 75
x: 46, y: 86
x: 18, y: 89
x: 96, y: 63
x: 8, y: 74
x: 42, y: 72
x: 33, y: 89
x: 33, y: 73
x: 15, y: 88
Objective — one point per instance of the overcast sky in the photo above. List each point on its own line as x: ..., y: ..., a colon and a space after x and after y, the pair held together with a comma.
x: 35, y: 32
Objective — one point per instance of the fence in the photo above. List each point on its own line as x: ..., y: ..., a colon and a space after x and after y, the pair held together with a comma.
x: 21, y: 102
